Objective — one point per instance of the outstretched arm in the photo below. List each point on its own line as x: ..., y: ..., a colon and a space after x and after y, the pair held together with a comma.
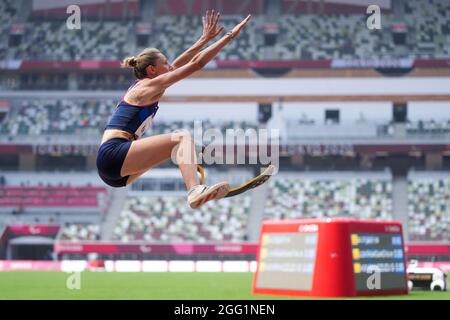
x: 203, y: 57
x: 152, y: 88
x: 199, y: 61
x: 210, y: 31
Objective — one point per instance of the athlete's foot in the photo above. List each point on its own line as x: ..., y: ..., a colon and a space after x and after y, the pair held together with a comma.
x: 200, y: 194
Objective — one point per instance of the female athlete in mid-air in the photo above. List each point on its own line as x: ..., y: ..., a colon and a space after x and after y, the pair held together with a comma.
x: 123, y: 156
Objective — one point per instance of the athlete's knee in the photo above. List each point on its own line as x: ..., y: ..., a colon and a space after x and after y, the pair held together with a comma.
x: 181, y: 135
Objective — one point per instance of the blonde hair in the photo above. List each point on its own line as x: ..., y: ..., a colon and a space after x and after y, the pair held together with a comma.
x: 139, y: 63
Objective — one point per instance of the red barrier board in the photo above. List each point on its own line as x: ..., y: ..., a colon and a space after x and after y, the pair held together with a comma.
x: 171, y: 248
x: 33, y: 229
x: 332, y: 257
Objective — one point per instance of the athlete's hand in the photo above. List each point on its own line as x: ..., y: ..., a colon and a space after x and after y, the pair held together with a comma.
x: 238, y: 27
x: 210, y: 30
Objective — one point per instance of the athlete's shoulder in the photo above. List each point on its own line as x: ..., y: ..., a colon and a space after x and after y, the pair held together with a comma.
x: 146, y: 82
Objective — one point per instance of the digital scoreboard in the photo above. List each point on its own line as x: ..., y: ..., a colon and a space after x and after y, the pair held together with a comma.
x: 287, y: 253
x: 331, y: 258
x: 378, y: 254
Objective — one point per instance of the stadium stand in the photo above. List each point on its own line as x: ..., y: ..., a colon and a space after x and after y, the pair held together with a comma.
x: 428, y: 127
x: 79, y: 232
x: 306, y: 36
x: 8, y: 14
x: 172, y: 39
x: 165, y: 217
x: 365, y: 195
x: 169, y: 219
x: 429, y: 206
x: 337, y: 36
x: 59, y: 116
x: 428, y: 22
x: 46, y: 192
x: 341, y: 36
x: 87, y: 117
x: 105, y: 82
x: 45, y: 196
x: 331, y: 37
x: 34, y: 117
x: 96, y: 40
x: 91, y: 10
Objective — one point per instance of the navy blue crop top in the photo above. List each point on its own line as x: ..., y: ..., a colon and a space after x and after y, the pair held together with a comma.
x: 132, y: 119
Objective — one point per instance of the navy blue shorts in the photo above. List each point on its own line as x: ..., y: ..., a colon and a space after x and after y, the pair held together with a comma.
x: 110, y: 158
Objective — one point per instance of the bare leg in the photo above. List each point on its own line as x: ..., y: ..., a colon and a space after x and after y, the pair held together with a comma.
x: 148, y: 152
x: 187, y: 160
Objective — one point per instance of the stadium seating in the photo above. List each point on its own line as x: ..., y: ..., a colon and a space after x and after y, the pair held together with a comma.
x: 429, y: 206
x: 91, y: 10
x: 65, y: 116
x: 106, y: 82
x: 312, y: 36
x: 79, y: 232
x: 52, y: 196
x: 429, y: 24
x: 161, y: 126
x: 358, y: 195
x: 169, y: 218
x: 61, y: 196
x: 8, y: 14
x: 428, y: 127
x: 315, y: 37
x: 173, y: 38
x: 94, y: 41
x: 166, y: 217
x: 87, y: 117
